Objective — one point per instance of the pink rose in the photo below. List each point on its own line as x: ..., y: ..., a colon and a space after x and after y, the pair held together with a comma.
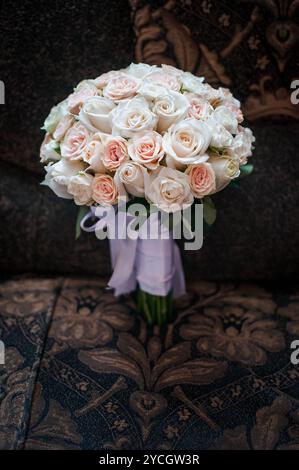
x: 199, y: 108
x: 74, y: 142
x: 121, y: 87
x: 85, y: 90
x: 202, y: 179
x: 146, y: 148
x: 104, y: 190
x: 115, y: 152
x: 63, y: 126
x: 166, y: 79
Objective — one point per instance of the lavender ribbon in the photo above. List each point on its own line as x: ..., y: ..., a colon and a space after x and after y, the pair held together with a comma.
x: 154, y: 263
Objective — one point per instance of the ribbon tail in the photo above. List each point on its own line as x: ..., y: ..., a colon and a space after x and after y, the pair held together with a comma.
x: 123, y: 253
x: 179, y: 285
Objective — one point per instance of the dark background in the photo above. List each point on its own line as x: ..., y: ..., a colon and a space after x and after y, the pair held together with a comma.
x: 48, y: 47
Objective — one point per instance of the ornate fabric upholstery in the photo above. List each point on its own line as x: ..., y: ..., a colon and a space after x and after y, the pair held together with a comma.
x: 220, y: 376
x: 249, y: 46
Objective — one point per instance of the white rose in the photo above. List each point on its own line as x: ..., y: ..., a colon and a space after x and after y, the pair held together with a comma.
x: 56, y: 113
x: 186, y: 142
x: 59, y: 174
x: 103, y: 79
x: 49, y: 149
x: 226, y: 118
x: 234, y: 109
x: 170, y: 108
x: 165, y: 79
x: 83, y: 91
x: 214, y: 96
x: 241, y: 147
x: 169, y: 190
x: 225, y: 98
x: 131, y: 117
x: 225, y: 170
x: 230, y: 102
x: 171, y: 69
x: 80, y: 186
x: 192, y: 83
x: 95, y: 114
x: 133, y: 177
x: 150, y: 90
x: 139, y: 70
x: 220, y: 137
x: 209, y: 93
x: 63, y: 126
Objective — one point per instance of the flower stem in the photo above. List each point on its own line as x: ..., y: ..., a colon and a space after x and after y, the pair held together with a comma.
x: 155, y: 309
x: 145, y: 307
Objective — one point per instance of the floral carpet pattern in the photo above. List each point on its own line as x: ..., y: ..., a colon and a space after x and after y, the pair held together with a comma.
x: 83, y: 371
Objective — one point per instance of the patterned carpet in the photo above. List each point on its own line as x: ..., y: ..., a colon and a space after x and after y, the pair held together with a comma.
x: 84, y: 372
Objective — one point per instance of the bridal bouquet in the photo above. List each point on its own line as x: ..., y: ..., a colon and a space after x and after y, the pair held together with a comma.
x: 153, y: 136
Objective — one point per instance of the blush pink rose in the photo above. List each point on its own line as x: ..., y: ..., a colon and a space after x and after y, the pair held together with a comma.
x: 146, y: 148
x: 236, y: 110
x: 202, y: 179
x: 103, y: 79
x: 166, y: 79
x: 121, y: 87
x: 115, y: 152
x: 199, y: 108
x: 82, y: 93
x: 74, y: 142
x: 104, y: 190
x: 63, y: 126
x: 92, y: 153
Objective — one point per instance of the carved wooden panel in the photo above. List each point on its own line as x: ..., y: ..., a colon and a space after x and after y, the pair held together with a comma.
x: 250, y: 46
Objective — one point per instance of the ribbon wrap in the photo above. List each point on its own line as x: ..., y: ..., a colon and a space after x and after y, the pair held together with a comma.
x: 153, y: 262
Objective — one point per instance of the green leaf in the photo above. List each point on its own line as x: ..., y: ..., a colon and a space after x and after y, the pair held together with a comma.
x: 245, y: 170
x: 57, y: 148
x: 218, y: 151
x: 82, y: 211
x: 209, y: 211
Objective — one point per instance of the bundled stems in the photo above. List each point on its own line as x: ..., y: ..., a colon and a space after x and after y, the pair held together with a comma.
x: 154, y: 308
